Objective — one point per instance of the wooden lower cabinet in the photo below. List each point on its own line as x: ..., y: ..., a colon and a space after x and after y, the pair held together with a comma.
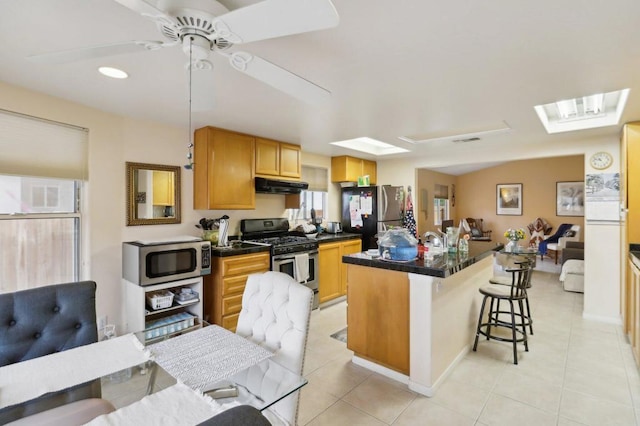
x: 223, y: 289
x: 329, y: 260
x: 378, y: 316
x: 332, y: 272
x: 348, y: 247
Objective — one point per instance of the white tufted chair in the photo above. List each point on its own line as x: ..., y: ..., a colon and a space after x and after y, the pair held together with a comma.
x: 275, y: 314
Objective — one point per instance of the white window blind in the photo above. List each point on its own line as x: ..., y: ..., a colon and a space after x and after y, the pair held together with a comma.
x: 34, y: 147
x: 441, y: 191
x: 316, y: 177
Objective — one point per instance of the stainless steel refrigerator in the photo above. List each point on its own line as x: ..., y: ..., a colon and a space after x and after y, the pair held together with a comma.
x: 366, y: 210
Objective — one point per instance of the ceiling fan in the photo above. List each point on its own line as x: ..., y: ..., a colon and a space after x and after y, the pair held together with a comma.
x: 203, y: 26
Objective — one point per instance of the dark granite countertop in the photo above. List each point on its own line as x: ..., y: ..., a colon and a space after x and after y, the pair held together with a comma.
x: 634, y: 254
x: 441, y: 265
x: 332, y: 238
x: 245, y: 248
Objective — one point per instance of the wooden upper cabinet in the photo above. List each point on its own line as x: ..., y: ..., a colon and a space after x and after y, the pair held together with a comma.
x: 163, y: 190
x: 370, y: 168
x: 223, y: 173
x: 631, y: 180
x: 267, y: 157
x: 347, y: 169
x: 278, y: 159
x: 290, y: 161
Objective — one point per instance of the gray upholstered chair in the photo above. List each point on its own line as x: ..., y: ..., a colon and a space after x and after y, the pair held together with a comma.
x: 41, y: 321
x: 242, y: 415
x: 275, y: 314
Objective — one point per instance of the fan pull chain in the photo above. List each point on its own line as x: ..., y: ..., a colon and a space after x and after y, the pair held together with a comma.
x: 189, y: 166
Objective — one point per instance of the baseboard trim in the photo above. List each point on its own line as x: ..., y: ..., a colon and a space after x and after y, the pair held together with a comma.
x: 600, y: 318
x: 384, y: 371
x: 427, y: 391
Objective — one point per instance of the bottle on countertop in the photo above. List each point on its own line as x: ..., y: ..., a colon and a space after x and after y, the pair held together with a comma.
x: 463, y: 245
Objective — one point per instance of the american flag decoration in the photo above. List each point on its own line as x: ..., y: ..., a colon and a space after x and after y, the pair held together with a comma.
x: 409, y: 219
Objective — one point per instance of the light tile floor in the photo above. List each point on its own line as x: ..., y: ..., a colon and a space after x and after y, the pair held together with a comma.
x: 577, y: 372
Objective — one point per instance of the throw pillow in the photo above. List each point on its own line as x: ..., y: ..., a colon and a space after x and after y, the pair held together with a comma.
x: 536, y: 237
x: 475, y: 232
x: 569, y: 233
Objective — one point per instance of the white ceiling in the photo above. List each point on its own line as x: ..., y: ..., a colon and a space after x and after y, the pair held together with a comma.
x: 394, y: 68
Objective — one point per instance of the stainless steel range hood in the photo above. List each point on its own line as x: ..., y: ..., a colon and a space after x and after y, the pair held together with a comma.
x: 274, y: 186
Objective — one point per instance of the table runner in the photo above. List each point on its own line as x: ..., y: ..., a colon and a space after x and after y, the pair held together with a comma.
x: 176, y: 405
x: 203, y: 357
x: 29, y: 379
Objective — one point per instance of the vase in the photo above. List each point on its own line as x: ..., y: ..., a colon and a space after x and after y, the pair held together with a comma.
x: 511, y: 247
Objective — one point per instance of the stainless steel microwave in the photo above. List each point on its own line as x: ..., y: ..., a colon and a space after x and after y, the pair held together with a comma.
x: 148, y: 263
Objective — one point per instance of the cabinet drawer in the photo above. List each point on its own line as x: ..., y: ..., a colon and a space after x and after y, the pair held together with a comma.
x: 230, y: 322
x: 245, y: 265
x: 233, y: 285
x: 232, y: 304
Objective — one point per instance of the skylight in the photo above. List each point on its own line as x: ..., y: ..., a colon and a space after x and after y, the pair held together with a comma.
x: 370, y: 146
x: 586, y: 112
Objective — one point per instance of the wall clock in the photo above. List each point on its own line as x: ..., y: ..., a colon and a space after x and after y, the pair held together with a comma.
x: 601, y: 160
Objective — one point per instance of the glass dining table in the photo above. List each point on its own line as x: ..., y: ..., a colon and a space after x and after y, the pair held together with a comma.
x: 256, y: 382
x: 212, y: 360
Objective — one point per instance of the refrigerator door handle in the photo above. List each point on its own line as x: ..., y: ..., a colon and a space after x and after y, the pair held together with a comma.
x: 385, y: 204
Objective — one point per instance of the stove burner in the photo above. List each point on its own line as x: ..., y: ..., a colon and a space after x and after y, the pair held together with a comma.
x: 274, y: 232
x: 288, y: 244
x: 280, y: 240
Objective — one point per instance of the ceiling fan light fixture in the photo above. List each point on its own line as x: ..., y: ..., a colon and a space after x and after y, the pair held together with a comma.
x: 113, y: 72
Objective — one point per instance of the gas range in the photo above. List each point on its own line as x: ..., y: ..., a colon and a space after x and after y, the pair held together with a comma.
x: 275, y: 232
x: 291, y: 254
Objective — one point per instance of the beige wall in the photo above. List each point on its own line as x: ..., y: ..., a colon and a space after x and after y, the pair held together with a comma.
x: 476, y: 192
x: 602, y: 260
x: 114, y: 140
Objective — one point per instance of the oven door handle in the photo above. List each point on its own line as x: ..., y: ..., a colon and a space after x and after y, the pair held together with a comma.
x: 292, y: 256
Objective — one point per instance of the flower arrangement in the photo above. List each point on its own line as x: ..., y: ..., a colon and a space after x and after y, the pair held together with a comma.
x: 515, y: 234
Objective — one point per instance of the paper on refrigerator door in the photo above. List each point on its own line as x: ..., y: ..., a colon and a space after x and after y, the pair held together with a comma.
x: 354, y: 211
x: 366, y: 205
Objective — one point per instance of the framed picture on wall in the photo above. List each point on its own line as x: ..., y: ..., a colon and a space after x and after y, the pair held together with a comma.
x: 570, y: 198
x: 509, y: 199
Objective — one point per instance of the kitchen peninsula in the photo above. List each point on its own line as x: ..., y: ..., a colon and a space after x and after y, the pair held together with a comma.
x: 413, y: 321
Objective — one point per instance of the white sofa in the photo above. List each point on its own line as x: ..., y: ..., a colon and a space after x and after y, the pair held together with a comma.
x: 572, y: 275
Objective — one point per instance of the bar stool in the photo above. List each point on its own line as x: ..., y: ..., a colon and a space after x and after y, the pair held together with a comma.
x: 515, y: 293
x: 507, y: 281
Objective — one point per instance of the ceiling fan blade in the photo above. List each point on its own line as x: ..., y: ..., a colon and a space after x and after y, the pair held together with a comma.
x: 277, y: 77
x: 275, y: 18
x: 147, y: 9
x: 93, y: 52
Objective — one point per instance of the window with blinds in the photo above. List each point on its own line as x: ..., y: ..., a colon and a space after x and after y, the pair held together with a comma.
x: 440, y: 204
x: 42, y: 167
x: 313, y: 198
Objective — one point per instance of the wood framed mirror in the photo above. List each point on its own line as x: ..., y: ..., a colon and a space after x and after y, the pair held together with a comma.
x: 153, y: 194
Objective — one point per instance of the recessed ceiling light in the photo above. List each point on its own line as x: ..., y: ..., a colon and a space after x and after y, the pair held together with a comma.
x: 586, y: 112
x: 113, y: 72
x: 370, y: 146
